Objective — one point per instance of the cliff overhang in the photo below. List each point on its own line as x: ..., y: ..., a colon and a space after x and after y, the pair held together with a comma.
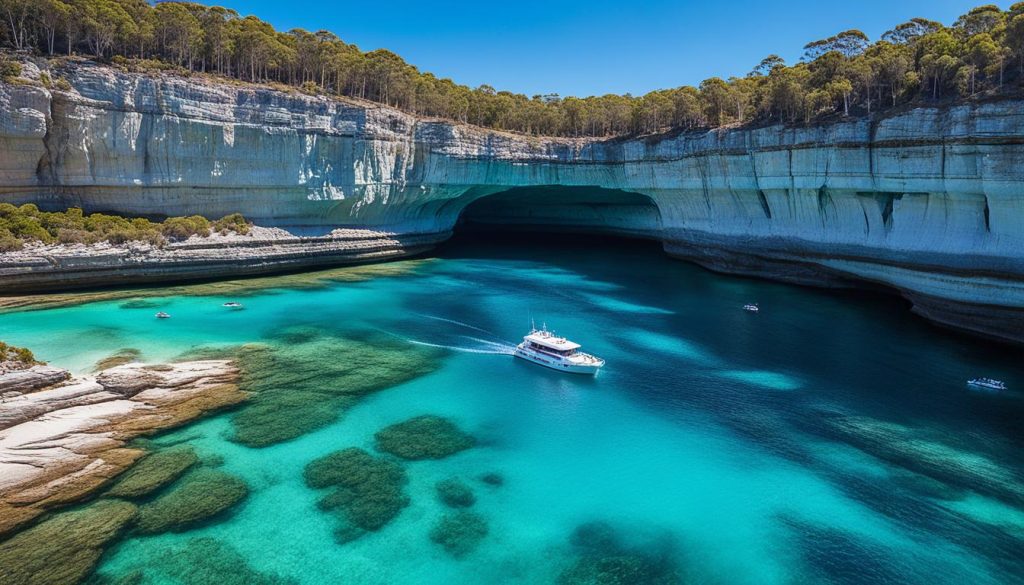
x: 925, y: 202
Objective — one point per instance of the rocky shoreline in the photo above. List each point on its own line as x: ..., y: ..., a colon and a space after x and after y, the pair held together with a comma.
x: 62, y: 439
x: 41, y: 268
x: 924, y: 202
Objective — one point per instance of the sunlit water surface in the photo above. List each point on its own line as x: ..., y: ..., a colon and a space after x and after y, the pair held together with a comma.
x: 709, y: 438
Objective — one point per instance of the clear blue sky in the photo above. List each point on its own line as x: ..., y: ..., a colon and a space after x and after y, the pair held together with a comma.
x: 586, y: 47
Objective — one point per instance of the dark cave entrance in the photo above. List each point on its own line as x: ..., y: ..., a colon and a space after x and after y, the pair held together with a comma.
x: 557, y: 209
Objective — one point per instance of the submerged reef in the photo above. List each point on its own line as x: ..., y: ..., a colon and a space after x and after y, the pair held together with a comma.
x: 423, y: 437
x: 148, y: 298
x: 368, y: 491
x: 66, y: 440
x: 454, y: 493
x: 154, y: 472
x: 460, y: 533
x: 139, y: 304
x: 493, y: 479
x: 65, y: 548
x: 200, y: 561
x: 914, y: 450
x: 200, y: 496
x: 307, y: 378
x: 603, y: 558
x: 119, y: 358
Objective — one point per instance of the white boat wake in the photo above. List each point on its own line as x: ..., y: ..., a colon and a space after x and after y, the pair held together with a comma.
x: 495, y: 348
x: 454, y: 322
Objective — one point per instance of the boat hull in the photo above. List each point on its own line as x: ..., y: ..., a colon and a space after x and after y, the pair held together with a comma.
x: 586, y: 370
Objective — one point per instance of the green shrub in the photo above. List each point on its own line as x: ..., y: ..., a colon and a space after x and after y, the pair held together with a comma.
x: 9, y: 243
x: 9, y: 69
x: 232, y: 223
x: 10, y: 353
x: 182, y: 228
x: 28, y: 224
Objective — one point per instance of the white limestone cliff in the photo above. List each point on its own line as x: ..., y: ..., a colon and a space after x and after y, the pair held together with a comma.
x: 927, y: 202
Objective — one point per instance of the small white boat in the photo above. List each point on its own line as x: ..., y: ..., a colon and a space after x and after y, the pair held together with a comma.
x: 162, y: 315
x: 233, y: 305
x: 544, y: 348
x: 987, y: 383
x: 753, y: 308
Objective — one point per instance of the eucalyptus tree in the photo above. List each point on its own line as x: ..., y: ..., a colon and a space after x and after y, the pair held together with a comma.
x: 846, y: 73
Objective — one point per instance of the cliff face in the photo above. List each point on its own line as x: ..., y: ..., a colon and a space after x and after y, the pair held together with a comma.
x: 928, y: 202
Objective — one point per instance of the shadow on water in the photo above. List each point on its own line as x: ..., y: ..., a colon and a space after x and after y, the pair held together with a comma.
x: 779, y: 378
x: 901, y: 367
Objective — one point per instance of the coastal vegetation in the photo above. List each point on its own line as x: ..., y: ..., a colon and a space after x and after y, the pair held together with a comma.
x: 26, y: 223
x: 918, y: 61
x: 423, y: 437
x: 19, y: 356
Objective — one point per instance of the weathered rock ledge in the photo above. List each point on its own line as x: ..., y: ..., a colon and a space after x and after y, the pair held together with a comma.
x: 926, y: 202
x: 61, y: 442
x: 64, y: 267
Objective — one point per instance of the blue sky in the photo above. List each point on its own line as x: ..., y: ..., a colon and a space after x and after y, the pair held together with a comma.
x: 587, y: 47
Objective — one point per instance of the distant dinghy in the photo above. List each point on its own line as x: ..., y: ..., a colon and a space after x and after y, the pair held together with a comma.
x: 162, y: 315
x: 988, y: 383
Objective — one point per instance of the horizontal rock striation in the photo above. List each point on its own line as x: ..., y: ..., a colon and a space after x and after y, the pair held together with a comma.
x: 927, y: 202
x: 65, y: 267
x: 61, y: 442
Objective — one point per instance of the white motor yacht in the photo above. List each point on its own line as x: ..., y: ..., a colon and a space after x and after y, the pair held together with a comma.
x: 544, y: 348
x: 753, y: 308
x: 162, y: 315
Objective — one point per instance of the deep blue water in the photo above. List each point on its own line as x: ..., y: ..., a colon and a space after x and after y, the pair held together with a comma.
x: 829, y: 438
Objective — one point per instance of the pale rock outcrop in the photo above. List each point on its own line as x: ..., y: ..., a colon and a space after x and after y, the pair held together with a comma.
x: 926, y: 202
x: 61, y: 443
x: 30, y: 379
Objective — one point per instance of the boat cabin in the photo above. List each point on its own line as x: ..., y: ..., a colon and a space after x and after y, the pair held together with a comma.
x: 546, y: 342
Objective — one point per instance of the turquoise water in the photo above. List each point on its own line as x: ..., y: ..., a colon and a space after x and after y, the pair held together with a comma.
x: 828, y: 439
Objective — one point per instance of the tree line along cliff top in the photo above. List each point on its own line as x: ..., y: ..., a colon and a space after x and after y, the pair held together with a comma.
x: 919, y: 61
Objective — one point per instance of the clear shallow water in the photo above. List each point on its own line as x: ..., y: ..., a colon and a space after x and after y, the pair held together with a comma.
x: 829, y: 438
